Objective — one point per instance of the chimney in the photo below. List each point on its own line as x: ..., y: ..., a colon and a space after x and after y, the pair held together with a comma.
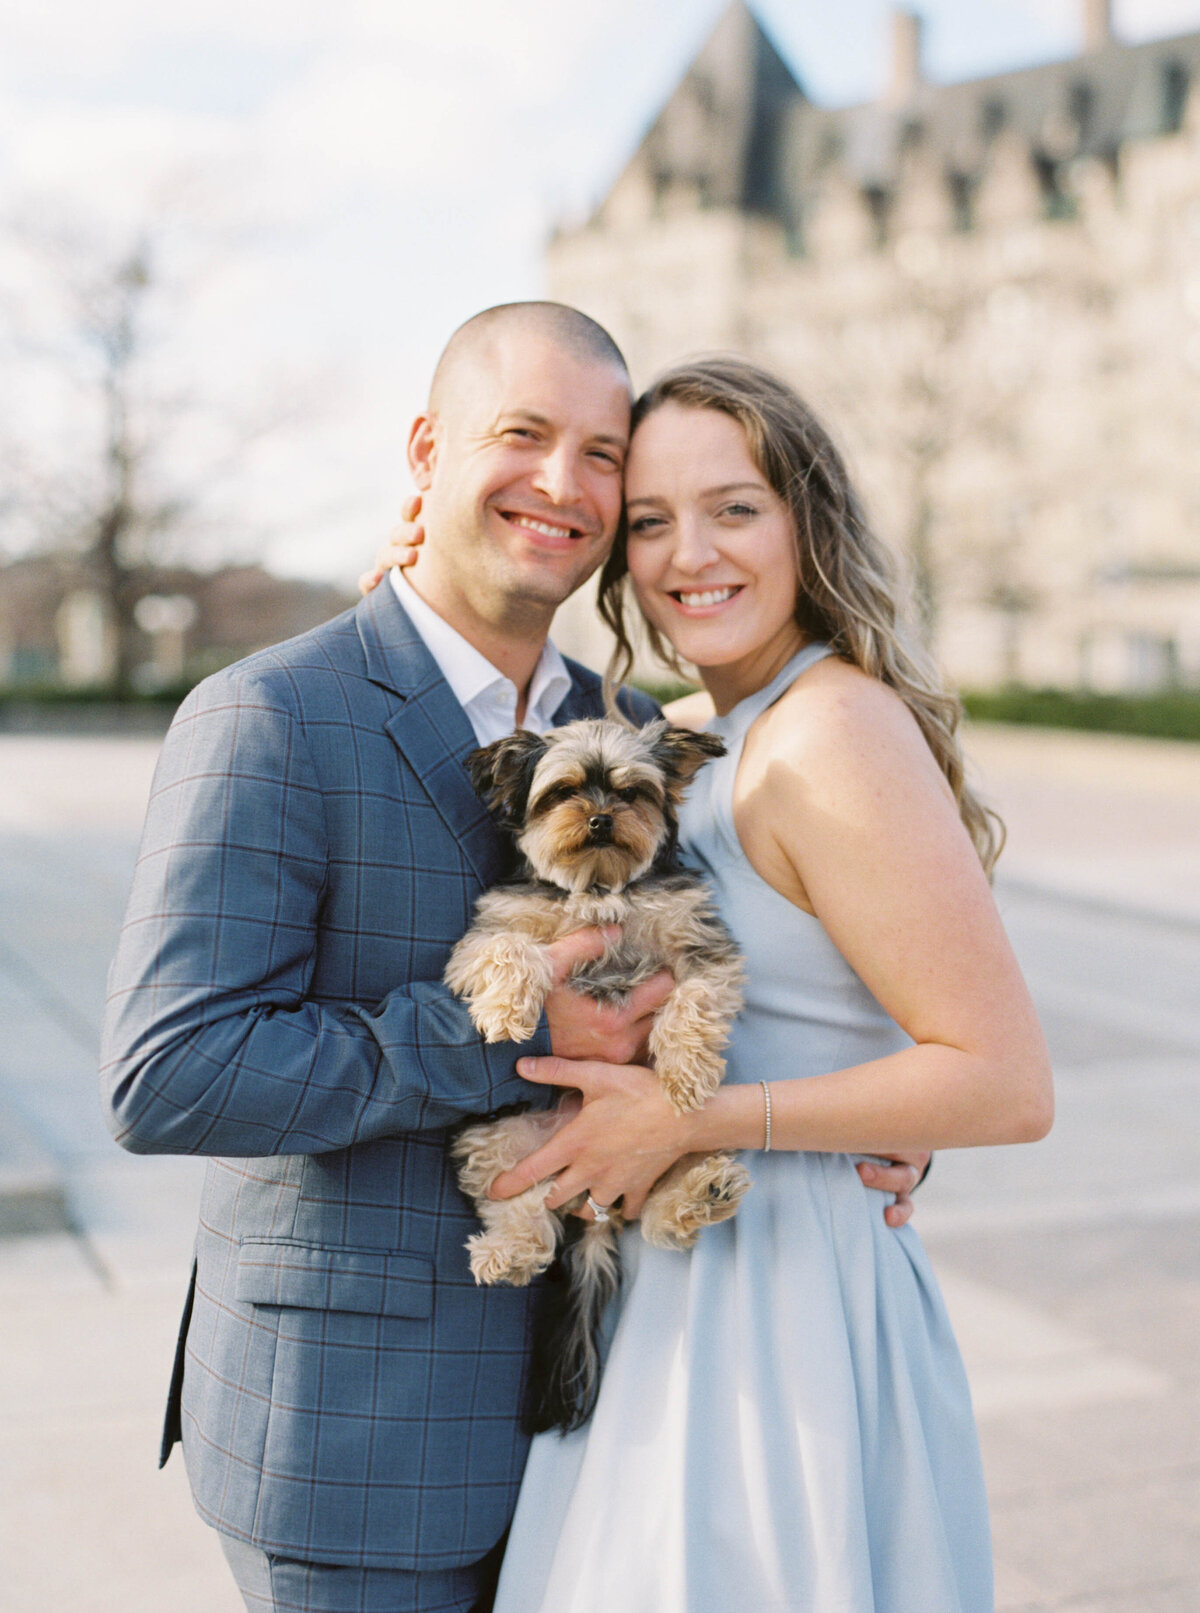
x: 1097, y: 24
x: 907, y: 27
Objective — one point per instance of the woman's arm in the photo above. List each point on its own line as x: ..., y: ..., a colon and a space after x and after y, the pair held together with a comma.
x: 850, y: 810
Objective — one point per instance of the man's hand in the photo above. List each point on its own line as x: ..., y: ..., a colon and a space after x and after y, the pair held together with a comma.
x: 581, y: 1027
x: 898, y: 1177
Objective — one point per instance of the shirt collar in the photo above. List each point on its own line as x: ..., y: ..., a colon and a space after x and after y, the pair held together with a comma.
x: 469, y: 673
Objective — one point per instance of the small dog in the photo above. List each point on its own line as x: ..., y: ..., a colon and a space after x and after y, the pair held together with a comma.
x: 591, y: 807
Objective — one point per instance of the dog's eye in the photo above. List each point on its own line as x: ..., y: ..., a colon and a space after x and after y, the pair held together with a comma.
x: 555, y: 796
x: 629, y: 793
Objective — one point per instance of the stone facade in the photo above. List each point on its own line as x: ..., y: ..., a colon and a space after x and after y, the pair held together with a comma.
x: 990, y: 289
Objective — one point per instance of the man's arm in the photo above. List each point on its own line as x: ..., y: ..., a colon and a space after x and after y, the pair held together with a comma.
x: 212, y: 1041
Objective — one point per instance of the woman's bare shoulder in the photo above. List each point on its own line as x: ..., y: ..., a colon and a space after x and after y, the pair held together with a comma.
x: 691, y: 710
x: 840, y: 729
x: 835, y: 702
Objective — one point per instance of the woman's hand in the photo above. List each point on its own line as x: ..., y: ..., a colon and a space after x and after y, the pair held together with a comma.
x: 401, y: 548
x: 625, y: 1136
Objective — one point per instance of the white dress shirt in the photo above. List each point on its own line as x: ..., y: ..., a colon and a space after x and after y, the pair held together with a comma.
x: 485, y: 694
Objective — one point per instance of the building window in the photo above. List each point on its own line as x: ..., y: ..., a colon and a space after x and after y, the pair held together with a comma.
x: 962, y: 199
x: 1057, y: 202
x: 1081, y: 106
x: 1153, y: 662
x: 993, y: 116
x: 878, y: 204
x: 1174, y: 96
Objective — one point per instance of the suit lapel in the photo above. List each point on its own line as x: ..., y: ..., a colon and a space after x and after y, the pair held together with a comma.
x: 431, y: 729
x: 576, y: 703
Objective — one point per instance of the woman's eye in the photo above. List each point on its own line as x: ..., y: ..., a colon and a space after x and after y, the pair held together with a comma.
x: 740, y: 510
x: 645, y: 526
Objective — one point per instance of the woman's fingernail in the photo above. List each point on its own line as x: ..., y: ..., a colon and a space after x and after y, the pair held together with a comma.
x: 524, y: 1066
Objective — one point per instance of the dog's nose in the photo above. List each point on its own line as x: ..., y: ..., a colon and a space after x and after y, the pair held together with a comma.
x: 600, y: 823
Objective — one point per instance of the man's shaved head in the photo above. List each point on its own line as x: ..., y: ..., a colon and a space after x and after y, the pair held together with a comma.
x: 470, y: 348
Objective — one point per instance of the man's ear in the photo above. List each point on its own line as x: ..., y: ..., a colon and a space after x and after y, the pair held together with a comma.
x: 422, y: 451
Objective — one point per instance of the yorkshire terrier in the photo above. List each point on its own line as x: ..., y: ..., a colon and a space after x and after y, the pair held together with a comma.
x: 592, y: 809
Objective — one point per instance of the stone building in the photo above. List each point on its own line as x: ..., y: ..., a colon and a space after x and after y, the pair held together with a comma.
x: 55, y: 630
x: 991, y: 291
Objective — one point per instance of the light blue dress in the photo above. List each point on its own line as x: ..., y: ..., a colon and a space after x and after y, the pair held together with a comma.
x: 784, y: 1421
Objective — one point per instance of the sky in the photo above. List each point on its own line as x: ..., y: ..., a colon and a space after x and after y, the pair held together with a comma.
x: 337, y: 186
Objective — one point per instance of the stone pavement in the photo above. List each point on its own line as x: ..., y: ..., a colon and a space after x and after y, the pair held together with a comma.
x: 1072, y: 1268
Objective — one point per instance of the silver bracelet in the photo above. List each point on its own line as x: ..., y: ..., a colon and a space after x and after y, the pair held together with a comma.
x: 766, y: 1147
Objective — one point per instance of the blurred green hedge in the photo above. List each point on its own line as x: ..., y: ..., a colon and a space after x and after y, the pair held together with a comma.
x: 1170, y: 714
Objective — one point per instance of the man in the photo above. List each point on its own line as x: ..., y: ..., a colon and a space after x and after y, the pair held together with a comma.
x: 347, y: 1399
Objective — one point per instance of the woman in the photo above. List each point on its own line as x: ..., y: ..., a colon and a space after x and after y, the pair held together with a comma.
x: 783, y: 1421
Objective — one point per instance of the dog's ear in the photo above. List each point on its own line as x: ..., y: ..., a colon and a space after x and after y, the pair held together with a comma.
x: 503, y: 771
x: 682, y: 752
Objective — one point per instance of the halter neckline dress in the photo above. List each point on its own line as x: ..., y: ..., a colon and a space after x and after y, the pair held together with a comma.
x: 784, y: 1422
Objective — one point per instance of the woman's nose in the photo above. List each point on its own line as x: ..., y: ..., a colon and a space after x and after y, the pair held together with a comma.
x: 694, y: 548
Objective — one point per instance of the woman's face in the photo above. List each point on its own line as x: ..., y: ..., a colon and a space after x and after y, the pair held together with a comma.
x: 712, y: 553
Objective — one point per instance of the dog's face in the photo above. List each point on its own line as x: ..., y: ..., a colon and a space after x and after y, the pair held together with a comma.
x: 591, y: 805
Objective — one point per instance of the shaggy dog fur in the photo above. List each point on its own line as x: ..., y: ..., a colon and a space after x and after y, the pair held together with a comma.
x: 592, y: 810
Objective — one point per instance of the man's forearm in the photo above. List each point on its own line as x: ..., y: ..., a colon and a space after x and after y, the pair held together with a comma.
x: 306, y: 1079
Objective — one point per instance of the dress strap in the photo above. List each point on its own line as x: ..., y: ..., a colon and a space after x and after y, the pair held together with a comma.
x: 713, y: 791
x: 735, y: 723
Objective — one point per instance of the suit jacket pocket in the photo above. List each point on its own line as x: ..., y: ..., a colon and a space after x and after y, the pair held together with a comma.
x: 380, y: 1282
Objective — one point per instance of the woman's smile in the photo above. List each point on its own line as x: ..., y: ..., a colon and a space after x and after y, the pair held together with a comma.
x: 708, y: 600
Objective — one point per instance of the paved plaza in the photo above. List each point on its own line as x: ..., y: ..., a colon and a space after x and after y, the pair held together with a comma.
x: 1072, y: 1268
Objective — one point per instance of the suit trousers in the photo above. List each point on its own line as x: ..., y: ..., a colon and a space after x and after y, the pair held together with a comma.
x: 278, y: 1585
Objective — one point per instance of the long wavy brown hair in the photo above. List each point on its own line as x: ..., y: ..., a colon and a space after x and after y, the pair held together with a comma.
x: 848, y: 595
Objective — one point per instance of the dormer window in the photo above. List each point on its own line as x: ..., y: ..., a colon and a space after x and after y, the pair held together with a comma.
x: 962, y: 195
x: 992, y: 117
x: 1081, y: 108
x: 1174, y: 96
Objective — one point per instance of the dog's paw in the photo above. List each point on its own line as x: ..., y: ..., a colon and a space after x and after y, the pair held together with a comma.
x: 493, y: 1261
x: 707, y: 1192
x: 688, y: 1078
x: 506, y: 1021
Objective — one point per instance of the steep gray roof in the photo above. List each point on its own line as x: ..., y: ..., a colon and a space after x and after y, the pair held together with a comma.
x: 724, y: 128
x: 740, y: 131
x: 1088, y: 105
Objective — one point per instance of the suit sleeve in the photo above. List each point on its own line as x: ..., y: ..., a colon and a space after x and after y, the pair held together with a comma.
x: 212, y: 1043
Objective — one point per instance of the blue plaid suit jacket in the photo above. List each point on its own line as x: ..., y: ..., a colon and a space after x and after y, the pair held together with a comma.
x: 312, y: 851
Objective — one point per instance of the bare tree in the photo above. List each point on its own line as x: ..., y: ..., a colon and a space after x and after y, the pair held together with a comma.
x: 109, y: 480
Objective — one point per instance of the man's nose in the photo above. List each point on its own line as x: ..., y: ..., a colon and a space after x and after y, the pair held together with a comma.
x: 557, y: 476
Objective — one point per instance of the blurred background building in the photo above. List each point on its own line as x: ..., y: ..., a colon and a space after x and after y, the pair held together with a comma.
x: 56, y: 628
x: 991, y: 291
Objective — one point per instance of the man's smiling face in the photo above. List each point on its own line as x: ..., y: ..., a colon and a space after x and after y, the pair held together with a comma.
x: 520, y: 467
